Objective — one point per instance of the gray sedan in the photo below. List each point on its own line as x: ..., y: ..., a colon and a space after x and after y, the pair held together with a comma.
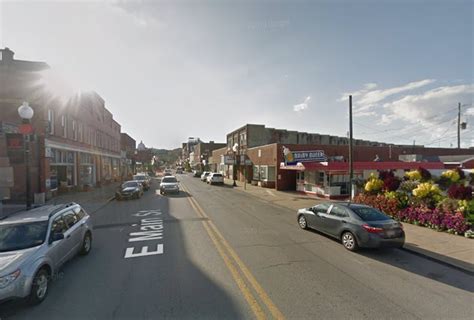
x: 355, y: 225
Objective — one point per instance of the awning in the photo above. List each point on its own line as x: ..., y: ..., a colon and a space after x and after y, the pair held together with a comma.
x: 368, y: 165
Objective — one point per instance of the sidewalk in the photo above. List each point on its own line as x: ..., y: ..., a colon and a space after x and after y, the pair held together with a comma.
x: 91, y: 201
x: 450, y: 249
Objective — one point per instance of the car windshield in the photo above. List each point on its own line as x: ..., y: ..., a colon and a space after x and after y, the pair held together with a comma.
x: 370, y: 214
x: 140, y: 178
x: 130, y: 184
x: 217, y: 175
x: 22, y: 235
x: 169, y: 180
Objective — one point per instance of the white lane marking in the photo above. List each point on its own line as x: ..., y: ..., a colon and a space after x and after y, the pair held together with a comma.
x: 144, y: 252
x: 151, y: 229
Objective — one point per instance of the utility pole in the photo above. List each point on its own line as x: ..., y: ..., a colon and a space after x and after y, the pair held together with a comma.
x: 351, y: 168
x: 459, y: 125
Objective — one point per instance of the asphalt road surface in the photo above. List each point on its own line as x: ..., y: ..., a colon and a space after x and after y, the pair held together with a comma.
x: 212, y: 252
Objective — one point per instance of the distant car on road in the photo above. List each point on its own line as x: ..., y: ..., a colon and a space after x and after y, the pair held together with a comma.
x: 215, y: 178
x: 169, y: 185
x: 129, y: 190
x: 35, y: 243
x: 197, y: 173
x: 168, y: 170
x: 179, y: 171
x: 204, y: 176
x: 144, y: 179
x: 356, y: 225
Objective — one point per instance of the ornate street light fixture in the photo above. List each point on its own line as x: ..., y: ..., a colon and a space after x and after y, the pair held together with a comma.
x: 26, y: 114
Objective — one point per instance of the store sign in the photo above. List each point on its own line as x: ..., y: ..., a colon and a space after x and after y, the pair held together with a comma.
x: 228, y: 159
x: 293, y: 157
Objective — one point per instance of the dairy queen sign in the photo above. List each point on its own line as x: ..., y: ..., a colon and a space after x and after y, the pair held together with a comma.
x: 293, y: 157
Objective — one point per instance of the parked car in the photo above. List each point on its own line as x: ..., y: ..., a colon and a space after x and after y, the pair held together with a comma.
x: 215, y: 178
x: 145, y: 181
x: 35, y: 243
x: 204, y: 176
x: 169, y: 185
x: 356, y: 225
x: 129, y: 190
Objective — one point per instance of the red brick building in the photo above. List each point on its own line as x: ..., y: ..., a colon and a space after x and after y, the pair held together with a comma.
x: 259, y: 154
x: 76, y: 141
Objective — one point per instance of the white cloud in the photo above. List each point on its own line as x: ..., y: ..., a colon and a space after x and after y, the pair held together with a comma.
x: 302, y: 106
x: 432, y: 106
x: 470, y: 111
x: 365, y: 114
x: 367, y: 98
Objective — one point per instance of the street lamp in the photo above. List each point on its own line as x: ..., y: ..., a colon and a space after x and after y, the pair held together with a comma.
x: 235, y: 148
x: 26, y: 113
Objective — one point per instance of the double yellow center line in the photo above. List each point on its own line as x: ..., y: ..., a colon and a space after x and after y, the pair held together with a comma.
x: 239, y: 271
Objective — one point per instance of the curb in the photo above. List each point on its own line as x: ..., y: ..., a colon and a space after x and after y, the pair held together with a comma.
x: 447, y: 261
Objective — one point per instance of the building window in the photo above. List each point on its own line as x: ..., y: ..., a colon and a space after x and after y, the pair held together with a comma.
x: 74, y: 130
x: 50, y: 121
x: 64, y: 125
x: 81, y: 132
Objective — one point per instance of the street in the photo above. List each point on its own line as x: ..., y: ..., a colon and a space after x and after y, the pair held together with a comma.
x: 213, y: 252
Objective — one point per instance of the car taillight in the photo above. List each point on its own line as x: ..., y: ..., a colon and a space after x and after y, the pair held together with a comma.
x: 370, y: 229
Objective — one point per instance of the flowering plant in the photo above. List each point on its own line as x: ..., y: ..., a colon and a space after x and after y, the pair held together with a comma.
x: 426, y: 190
x: 457, y: 191
x: 374, y: 185
x: 452, y: 175
x: 413, y: 175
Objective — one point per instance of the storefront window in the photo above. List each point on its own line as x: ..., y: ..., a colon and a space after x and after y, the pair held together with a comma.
x: 256, y: 173
x: 271, y: 173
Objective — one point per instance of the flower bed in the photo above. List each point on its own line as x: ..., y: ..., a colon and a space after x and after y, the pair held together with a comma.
x: 447, y: 206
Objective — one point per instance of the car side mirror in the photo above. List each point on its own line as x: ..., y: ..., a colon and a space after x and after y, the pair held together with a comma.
x: 56, y: 237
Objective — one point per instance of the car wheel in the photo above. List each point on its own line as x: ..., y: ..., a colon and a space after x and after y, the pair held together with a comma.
x: 40, y: 286
x: 302, y: 222
x: 86, y: 244
x: 349, y: 241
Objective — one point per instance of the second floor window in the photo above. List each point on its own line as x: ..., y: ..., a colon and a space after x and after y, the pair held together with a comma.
x: 50, y: 128
x: 64, y: 126
x: 74, y: 130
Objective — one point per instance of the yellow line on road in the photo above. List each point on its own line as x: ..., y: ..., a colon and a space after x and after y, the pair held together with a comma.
x: 257, y: 310
x: 276, y: 313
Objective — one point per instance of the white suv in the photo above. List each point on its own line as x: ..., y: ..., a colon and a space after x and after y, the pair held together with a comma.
x: 215, y: 178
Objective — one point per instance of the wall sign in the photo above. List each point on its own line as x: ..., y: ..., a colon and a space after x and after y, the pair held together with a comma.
x: 293, y: 157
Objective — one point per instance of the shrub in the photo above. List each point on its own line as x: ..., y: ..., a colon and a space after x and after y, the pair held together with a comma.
x: 426, y: 190
x: 448, y: 205
x: 391, y: 184
x: 401, y: 197
x: 425, y: 174
x: 460, y: 192
x: 413, y: 175
x: 380, y: 202
x: 461, y: 174
x: 436, y: 219
x: 452, y: 175
x: 466, y: 207
x: 408, y: 186
x: 373, y: 185
x: 383, y: 175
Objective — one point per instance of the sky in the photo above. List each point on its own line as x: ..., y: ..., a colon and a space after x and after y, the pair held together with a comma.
x: 169, y: 70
